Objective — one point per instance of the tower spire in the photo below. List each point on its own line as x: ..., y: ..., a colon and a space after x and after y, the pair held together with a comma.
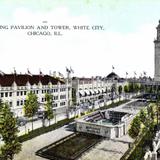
x: 158, y: 31
x: 157, y: 55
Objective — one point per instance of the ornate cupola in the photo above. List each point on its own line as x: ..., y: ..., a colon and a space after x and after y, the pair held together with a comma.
x: 158, y: 31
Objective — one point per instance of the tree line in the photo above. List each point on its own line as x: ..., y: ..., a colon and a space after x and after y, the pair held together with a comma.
x: 9, y: 144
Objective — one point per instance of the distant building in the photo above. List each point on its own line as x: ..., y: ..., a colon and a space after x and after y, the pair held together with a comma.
x: 157, y: 55
x: 14, y: 89
x: 88, y: 89
x: 95, y: 89
x: 66, y: 92
x: 112, y: 76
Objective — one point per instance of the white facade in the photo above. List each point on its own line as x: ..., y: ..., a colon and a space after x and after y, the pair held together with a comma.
x: 110, y: 123
x: 93, y: 89
x: 88, y: 89
x: 157, y: 55
x: 103, y: 129
x: 15, y: 95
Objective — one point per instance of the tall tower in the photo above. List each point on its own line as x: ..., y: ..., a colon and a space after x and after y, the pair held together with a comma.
x: 157, y: 55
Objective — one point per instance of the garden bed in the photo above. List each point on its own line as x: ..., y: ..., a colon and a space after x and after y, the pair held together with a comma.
x: 70, y: 147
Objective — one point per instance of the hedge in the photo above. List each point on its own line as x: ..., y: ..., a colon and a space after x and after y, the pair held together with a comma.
x: 42, y: 130
x: 113, y: 105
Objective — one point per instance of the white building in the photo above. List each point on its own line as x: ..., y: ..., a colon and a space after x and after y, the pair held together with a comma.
x: 88, y: 89
x: 110, y: 123
x: 95, y: 89
x: 14, y: 89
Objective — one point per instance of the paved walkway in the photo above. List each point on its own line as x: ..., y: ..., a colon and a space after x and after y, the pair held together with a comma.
x: 105, y: 150
x: 30, y: 147
x: 108, y: 149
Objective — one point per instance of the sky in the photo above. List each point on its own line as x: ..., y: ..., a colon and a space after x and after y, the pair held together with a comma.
x: 120, y: 33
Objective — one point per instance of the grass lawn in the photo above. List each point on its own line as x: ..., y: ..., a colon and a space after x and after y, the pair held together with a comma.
x: 71, y: 147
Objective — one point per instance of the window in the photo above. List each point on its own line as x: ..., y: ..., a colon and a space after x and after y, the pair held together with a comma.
x: 21, y: 93
x: 25, y: 92
x: 6, y: 94
x: 21, y: 102
x: 17, y: 103
x: 62, y: 89
x: 10, y: 103
x: 55, y: 97
x: 2, y: 94
x: 55, y: 90
x: 10, y: 94
x: 62, y: 103
x: 17, y: 93
x: 37, y: 91
x: 43, y: 99
x: 62, y: 96
x: 55, y: 105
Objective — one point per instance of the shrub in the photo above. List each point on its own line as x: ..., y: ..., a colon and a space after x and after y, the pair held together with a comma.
x: 42, y: 130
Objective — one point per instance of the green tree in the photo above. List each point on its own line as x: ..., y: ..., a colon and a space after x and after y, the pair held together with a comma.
x: 158, y: 90
x: 143, y: 116
x: 8, y: 131
x: 131, y: 87
x: 126, y: 90
x: 150, y: 117
x: 151, y: 112
x: 119, y: 91
x: 142, y: 88
x: 135, y: 127
x: 149, y: 89
x: 155, y: 88
x: 31, y: 106
x: 49, y: 111
x: 136, y: 87
x: 158, y: 108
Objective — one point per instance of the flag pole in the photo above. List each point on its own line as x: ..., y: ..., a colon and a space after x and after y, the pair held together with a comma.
x: 112, y: 68
x: 14, y: 73
x: 126, y: 74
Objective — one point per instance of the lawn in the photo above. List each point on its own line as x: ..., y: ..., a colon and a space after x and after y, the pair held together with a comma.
x: 70, y: 147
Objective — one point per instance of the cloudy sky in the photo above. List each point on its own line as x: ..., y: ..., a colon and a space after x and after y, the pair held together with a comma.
x: 124, y: 41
